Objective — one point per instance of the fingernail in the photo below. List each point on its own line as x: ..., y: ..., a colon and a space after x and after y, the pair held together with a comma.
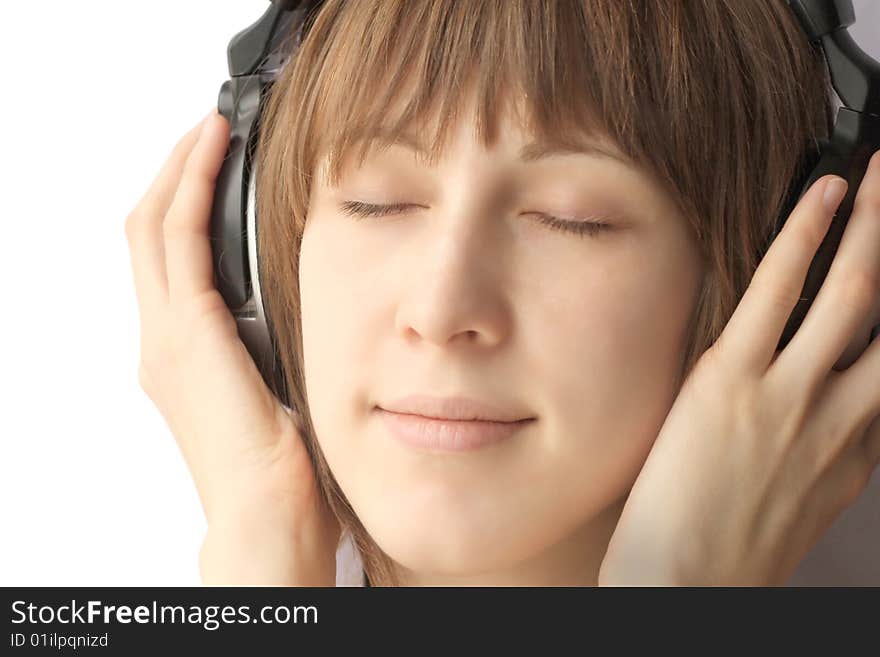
x: 834, y: 191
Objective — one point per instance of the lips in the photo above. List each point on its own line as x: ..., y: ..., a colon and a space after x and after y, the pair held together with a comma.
x: 447, y: 435
x: 451, y: 424
x: 456, y: 408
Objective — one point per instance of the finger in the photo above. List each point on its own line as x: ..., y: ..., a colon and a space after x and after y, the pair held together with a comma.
x: 752, y: 334
x: 848, y: 293
x: 188, y: 256
x: 143, y: 229
x: 854, y: 394
x: 159, y: 195
x: 850, y: 408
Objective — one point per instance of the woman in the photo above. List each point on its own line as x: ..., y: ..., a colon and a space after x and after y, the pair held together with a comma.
x: 608, y: 305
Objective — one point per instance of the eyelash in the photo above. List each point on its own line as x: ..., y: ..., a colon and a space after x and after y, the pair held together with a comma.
x: 582, y: 228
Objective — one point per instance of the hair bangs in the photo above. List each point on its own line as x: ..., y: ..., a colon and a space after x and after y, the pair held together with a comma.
x: 402, y: 83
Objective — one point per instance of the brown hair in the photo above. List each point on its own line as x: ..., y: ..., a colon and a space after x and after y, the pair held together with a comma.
x: 716, y: 100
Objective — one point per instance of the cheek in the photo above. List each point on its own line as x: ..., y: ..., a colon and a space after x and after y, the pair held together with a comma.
x: 336, y: 293
x: 606, y: 386
x: 326, y: 305
x: 611, y: 364
x: 339, y: 348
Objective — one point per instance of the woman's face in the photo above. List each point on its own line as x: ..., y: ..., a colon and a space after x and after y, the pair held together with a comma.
x: 467, y: 293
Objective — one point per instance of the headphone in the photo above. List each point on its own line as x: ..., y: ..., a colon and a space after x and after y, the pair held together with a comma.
x: 258, y: 53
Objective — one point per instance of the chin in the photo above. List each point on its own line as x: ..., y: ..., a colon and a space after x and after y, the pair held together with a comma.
x: 446, y: 556
x: 452, y: 542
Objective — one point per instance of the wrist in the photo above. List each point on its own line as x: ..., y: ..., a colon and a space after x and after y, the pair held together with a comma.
x: 233, y: 553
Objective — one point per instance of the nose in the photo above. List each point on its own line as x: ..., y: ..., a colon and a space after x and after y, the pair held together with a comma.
x: 456, y: 291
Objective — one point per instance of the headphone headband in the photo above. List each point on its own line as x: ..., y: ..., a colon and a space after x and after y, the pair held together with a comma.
x: 818, y: 18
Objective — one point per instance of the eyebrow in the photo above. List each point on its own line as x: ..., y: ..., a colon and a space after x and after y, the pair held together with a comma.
x: 531, y: 152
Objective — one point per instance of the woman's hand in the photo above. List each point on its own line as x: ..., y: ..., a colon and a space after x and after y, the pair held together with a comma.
x: 762, y: 450
x: 267, y: 523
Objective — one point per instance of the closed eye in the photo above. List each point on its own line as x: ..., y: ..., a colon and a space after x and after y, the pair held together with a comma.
x: 590, y: 226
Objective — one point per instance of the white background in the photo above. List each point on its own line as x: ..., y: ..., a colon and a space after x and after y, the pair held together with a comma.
x: 93, y: 489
